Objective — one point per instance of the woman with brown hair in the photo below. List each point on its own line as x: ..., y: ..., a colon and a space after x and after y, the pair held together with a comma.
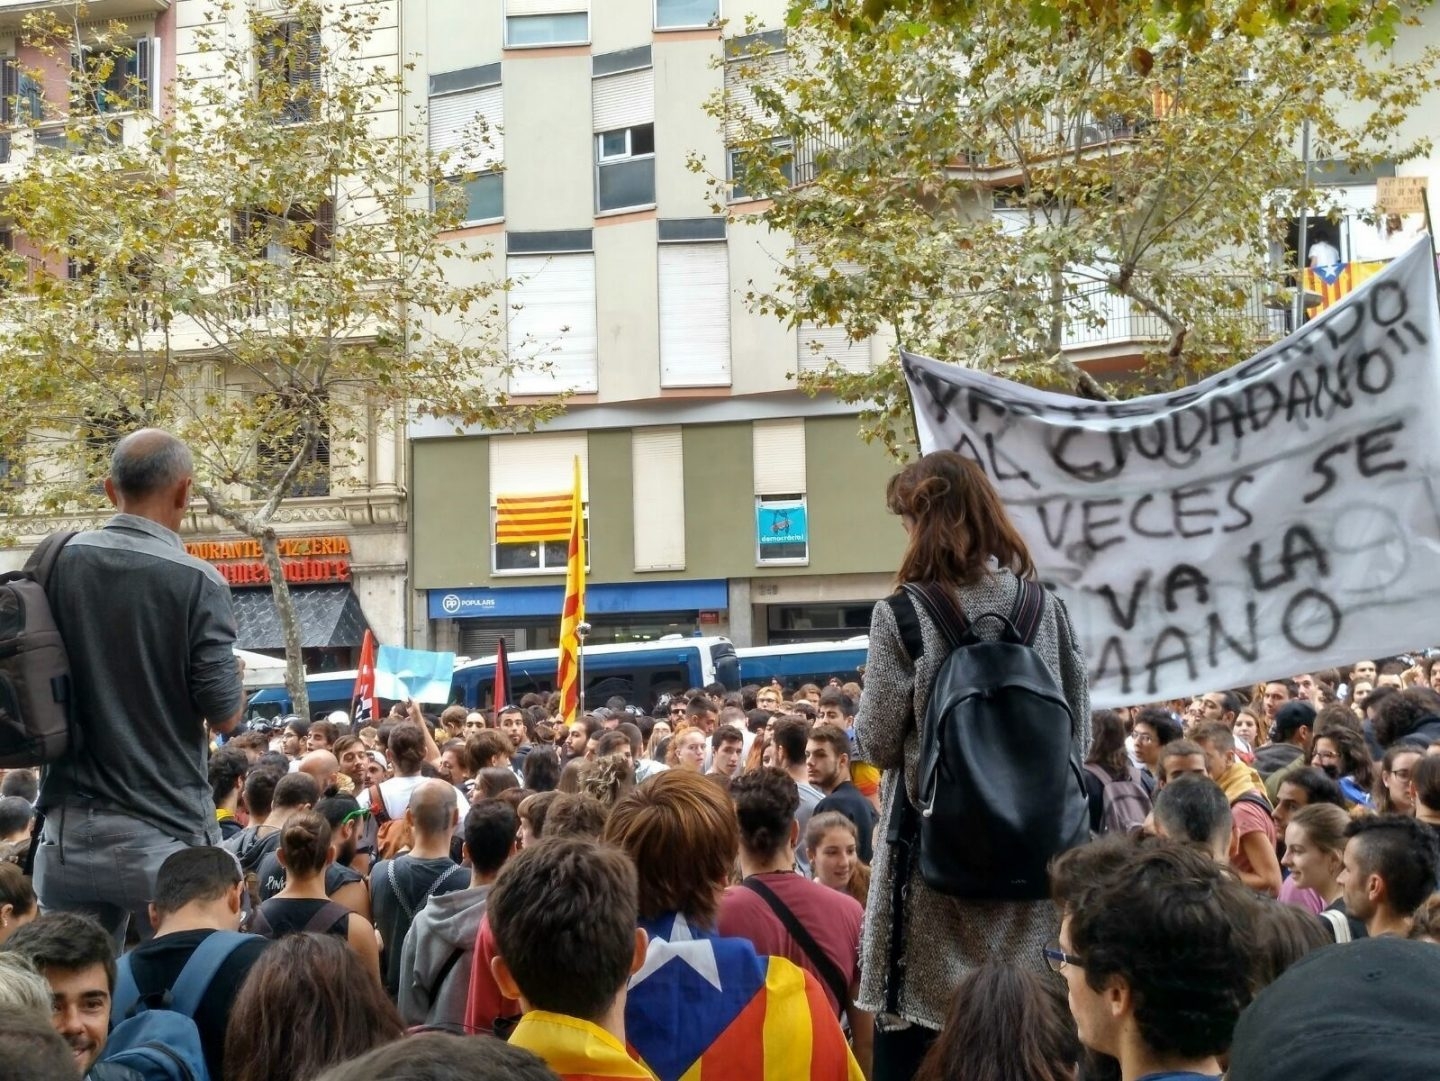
x: 1005, y: 1024
x: 961, y: 541
x: 303, y: 905
x: 831, y: 848
x: 306, y: 1005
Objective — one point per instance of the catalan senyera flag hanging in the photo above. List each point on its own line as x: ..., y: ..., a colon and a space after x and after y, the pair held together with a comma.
x: 532, y: 519
x: 1332, y: 282
x: 572, y: 614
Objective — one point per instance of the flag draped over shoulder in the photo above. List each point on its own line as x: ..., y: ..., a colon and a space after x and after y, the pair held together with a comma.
x: 1332, y: 282
x: 706, y: 1008
x: 532, y: 519
x: 572, y: 613
x: 363, y: 696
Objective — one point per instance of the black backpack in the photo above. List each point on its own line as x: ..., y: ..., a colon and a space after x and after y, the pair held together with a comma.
x: 35, y: 722
x: 1001, y: 792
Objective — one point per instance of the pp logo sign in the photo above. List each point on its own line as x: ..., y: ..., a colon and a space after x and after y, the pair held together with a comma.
x: 450, y: 603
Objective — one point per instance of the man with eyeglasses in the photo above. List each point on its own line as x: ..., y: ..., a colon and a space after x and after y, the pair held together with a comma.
x: 1164, y: 1014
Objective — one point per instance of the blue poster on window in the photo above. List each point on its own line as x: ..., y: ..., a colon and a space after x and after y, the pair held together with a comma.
x: 781, y: 523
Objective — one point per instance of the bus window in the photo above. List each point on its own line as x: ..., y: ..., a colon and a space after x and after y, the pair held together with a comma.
x: 727, y: 666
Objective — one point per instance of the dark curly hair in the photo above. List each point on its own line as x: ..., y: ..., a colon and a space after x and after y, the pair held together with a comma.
x: 1107, y: 745
x: 765, y: 803
x: 1402, y: 851
x: 1400, y: 713
x: 1176, y: 927
x: 1354, y: 755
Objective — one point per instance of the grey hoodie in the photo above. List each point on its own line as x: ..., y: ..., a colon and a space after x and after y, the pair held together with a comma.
x: 448, y: 922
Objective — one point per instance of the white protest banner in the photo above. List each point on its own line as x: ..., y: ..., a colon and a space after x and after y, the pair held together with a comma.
x: 1279, y: 517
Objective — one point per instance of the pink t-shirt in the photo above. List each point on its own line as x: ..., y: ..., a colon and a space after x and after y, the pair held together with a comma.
x: 833, y: 919
x: 1309, y: 900
x: 1249, y: 818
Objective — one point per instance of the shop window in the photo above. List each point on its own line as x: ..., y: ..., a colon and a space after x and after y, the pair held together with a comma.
x: 782, y: 530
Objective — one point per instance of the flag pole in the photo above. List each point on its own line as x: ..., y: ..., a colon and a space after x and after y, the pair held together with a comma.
x: 582, y: 631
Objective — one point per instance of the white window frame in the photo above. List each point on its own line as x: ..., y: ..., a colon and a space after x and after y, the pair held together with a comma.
x: 602, y: 161
x: 719, y: 19
x: 581, y: 10
x: 789, y: 561
x: 544, y: 568
x: 466, y: 178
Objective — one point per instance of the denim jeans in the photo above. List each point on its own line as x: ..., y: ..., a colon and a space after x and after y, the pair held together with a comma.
x: 104, y: 865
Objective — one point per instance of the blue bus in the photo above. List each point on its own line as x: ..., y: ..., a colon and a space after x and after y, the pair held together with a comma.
x: 329, y: 691
x: 798, y: 663
x: 639, y: 672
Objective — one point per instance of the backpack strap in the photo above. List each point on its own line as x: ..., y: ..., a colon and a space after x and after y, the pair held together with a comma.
x: 942, y: 609
x: 42, y: 560
x: 190, y: 986
x: 377, y: 805
x: 200, y: 971
x: 902, y: 606
x: 1029, y: 610
x: 828, y: 970
x: 326, y: 918
x: 1339, y: 925
x: 444, y: 974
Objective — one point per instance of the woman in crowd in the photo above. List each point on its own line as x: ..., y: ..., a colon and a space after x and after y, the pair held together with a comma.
x: 1392, y: 787
x: 1342, y: 755
x: 305, y: 852
x: 1005, y: 1024
x: 961, y: 540
x: 1359, y: 695
x: 541, y: 770
x: 1109, y: 761
x: 831, y: 847
x: 658, y: 735
x: 687, y: 749
x: 308, y: 1004
x: 1153, y: 729
x: 493, y: 780
x: 1315, y: 856
x: 17, y: 900
x: 1251, y: 726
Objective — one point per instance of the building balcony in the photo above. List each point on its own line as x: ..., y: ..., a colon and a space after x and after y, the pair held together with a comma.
x: 13, y: 12
x: 19, y: 145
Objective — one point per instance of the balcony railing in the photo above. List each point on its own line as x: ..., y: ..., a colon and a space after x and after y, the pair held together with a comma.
x: 1100, y: 317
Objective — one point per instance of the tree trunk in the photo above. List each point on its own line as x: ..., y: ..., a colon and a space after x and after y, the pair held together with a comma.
x: 289, y: 624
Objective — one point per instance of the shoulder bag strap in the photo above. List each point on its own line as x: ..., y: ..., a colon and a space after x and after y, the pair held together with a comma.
x: 377, y: 805
x: 326, y: 918
x: 1339, y: 924
x: 828, y: 970
x: 942, y: 609
x: 200, y: 971
x: 42, y: 560
x: 444, y: 973
x: 395, y: 889
x: 1029, y: 610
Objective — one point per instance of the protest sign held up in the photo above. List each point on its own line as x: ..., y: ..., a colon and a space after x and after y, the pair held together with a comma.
x: 1278, y: 517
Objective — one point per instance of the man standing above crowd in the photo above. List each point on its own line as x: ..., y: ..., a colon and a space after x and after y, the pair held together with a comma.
x: 150, y: 634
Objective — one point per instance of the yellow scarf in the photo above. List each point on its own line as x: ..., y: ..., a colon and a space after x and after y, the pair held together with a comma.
x: 1239, y: 779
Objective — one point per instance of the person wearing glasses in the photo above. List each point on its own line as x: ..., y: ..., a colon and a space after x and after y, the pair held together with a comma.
x: 1164, y: 1015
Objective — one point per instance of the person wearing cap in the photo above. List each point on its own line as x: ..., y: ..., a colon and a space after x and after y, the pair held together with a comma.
x: 1285, y: 753
x: 1365, y: 1009
x: 1164, y: 1014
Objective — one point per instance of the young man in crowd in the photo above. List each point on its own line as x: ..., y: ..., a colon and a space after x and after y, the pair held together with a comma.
x: 1193, y: 810
x: 827, y: 758
x: 1290, y: 735
x: 197, y: 895
x: 1164, y: 1014
x: 1253, y: 852
x: 77, y: 958
x: 1389, y: 869
x: 399, y: 888
x: 1179, y: 757
x: 789, y: 739
x: 227, y: 768
x: 564, y: 915
x: 435, y: 962
x: 727, y: 744
x: 838, y: 708
x: 785, y: 915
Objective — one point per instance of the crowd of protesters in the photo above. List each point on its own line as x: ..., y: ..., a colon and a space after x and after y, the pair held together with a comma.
x: 686, y: 892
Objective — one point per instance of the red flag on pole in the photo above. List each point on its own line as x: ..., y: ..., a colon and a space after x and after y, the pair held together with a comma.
x: 502, y: 676
x: 363, y: 696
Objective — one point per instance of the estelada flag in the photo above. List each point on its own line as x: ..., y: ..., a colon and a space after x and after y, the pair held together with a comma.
x: 363, y: 696
x: 572, y: 613
x: 1332, y: 282
x: 502, y: 676
x: 532, y: 519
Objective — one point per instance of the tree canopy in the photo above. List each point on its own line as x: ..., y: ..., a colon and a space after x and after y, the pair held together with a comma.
x: 995, y: 188
x: 249, y: 257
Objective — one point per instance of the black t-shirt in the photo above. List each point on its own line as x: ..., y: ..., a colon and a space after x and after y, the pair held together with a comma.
x: 292, y: 916
x: 272, y: 877
x: 156, y: 966
x: 849, y: 802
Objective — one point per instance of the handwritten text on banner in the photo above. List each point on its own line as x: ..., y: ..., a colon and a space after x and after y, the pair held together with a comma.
x: 1279, y: 517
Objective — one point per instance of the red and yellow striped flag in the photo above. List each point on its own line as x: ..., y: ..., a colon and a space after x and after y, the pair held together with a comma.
x: 573, y: 612
x: 1332, y: 283
x: 532, y: 519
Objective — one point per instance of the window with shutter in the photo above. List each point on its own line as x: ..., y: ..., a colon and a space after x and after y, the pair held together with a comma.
x: 468, y: 128
x: 694, y: 315
x: 553, y: 336
x: 290, y: 63
x: 278, y: 445
x: 657, y: 468
x: 781, y: 513
x: 546, y: 22
x: 818, y: 346
x: 625, y: 168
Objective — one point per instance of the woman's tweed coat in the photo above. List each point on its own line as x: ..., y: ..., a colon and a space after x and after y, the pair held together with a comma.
x: 945, y: 937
